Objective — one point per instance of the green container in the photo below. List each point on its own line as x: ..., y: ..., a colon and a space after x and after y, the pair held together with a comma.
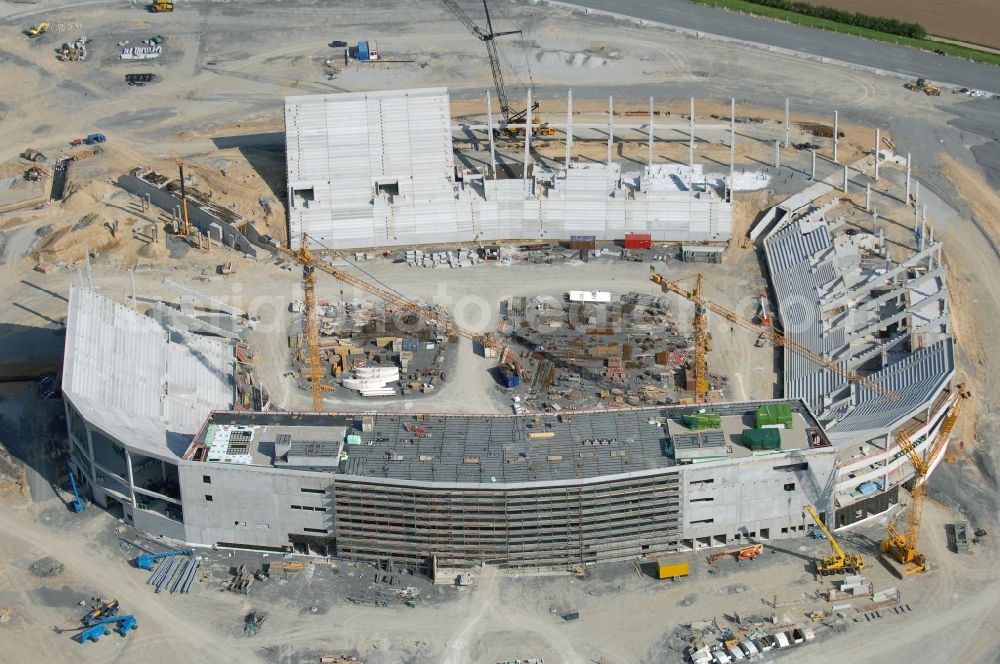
x: 699, y: 421
x: 353, y: 439
x: 774, y: 414
x: 762, y: 439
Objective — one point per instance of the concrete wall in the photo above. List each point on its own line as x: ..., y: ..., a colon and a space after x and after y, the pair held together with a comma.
x: 253, y: 505
x: 543, y: 525
x: 762, y: 497
x: 202, y: 220
x: 151, y: 522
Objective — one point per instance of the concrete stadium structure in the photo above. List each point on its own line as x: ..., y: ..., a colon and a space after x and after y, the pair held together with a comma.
x: 162, y: 429
x: 135, y: 391
x: 451, y: 490
x: 841, y: 295
x: 523, y: 491
x: 377, y: 169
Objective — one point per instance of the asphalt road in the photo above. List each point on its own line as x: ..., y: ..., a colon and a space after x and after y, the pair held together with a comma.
x: 901, y: 59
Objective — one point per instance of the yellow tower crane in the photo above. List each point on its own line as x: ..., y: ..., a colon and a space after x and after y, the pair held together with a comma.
x: 903, y: 546
x: 768, y: 333
x: 315, y: 371
x: 840, y: 562
x: 702, y: 343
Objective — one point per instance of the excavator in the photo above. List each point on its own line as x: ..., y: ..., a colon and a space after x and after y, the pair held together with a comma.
x: 160, y: 6
x: 903, y: 546
x: 840, y: 562
x: 37, y: 30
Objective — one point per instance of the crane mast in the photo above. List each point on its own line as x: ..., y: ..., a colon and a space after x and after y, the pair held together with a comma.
x: 314, y: 364
x: 489, y: 38
x: 701, y: 343
x: 770, y: 334
x: 315, y: 370
x: 903, y: 546
x: 841, y: 561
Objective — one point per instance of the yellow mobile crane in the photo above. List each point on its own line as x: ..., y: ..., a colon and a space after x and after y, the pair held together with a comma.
x: 840, y: 562
x: 768, y: 333
x: 903, y: 546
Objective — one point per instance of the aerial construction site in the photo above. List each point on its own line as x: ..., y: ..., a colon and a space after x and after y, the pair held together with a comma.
x: 489, y: 332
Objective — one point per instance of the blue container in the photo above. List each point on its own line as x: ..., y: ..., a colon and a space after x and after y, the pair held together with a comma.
x: 363, y: 51
x: 868, y: 487
x: 510, y: 378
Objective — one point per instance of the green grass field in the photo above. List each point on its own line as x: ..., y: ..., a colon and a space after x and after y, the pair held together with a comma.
x: 823, y: 24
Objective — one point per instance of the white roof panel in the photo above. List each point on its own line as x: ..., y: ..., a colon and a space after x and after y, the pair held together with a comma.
x: 138, y: 382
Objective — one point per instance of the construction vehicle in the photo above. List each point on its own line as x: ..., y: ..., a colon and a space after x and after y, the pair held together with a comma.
x: 488, y: 37
x: 769, y: 333
x: 121, y: 624
x: 107, y: 610
x: 38, y: 30
x: 89, y: 139
x: 76, y: 505
x: 903, y: 546
x: 160, y: 6
x: 923, y: 85
x: 146, y: 560
x: 740, y: 553
x: 840, y: 562
x: 35, y: 173
x: 33, y: 155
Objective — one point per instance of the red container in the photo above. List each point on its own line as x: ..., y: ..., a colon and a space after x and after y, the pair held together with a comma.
x: 638, y: 241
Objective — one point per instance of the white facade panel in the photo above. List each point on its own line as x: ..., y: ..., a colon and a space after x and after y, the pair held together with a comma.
x: 376, y: 169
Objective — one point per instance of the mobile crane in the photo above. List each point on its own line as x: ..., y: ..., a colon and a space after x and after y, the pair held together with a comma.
x: 146, y: 560
x: 903, y: 546
x: 840, y: 562
x: 769, y: 333
x: 488, y: 37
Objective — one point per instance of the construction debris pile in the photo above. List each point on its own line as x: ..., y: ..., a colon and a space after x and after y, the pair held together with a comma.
x: 148, y: 49
x: 438, y: 259
x: 372, y: 349
x: 46, y: 567
x: 744, y: 638
x: 588, y: 351
x: 387, y: 574
x: 252, y: 623
x: 76, y: 51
